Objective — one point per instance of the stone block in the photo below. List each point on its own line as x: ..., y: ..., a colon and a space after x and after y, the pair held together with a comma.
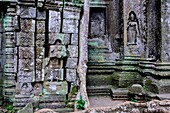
x: 74, y: 39
x: 9, y: 65
x: 59, y: 38
x: 9, y: 50
x: 16, y: 22
x: 54, y: 21
x: 73, y: 51
x: 26, y: 64
x: 66, y: 39
x: 9, y: 56
x: 25, y: 76
x: 54, y: 63
x: 52, y: 105
x: 37, y: 89
x: 39, y: 76
x: 9, y: 70
x: 25, y: 39
x: 70, y: 26
x: 55, y: 38
x: 55, y: 88
x: 26, y: 52
x: 72, y: 63
x: 39, y: 64
x: 28, y: 12
x: 27, y: 25
x: 40, y: 40
x: 71, y: 15
x: 40, y: 26
x: 55, y: 74
x: 57, y: 51
x: 22, y: 100
x: 28, y: 108
x: 24, y: 87
x: 41, y: 15
x: 52, y: 98
x: 40, y: 52
x: 8, y: 23
x: 71, y: 75
x: 9, y: 76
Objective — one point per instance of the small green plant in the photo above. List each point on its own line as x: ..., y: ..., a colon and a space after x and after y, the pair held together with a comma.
x: 66, y: 103
x: 80, y: 103
x: 10, y: 109
x: 134, y: 100
x: 145, y: 88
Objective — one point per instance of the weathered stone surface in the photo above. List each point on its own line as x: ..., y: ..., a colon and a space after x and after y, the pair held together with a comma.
x: 54, y: 21
x: 26, y: 52
x: 37, y: 89
x: 24, y: 87
x: 53, y: 98
x: 27, y: 25
x: 71, y: 75
x: 55, y: 63
x: 8, y: 23
x: 57, y: 51
x: 55, y: 74
x: 39, y: 64
x: 26, y: 64
x: 70, y: 26
x: 40, y: 52
x: 25, y: 39
x: 66, y: 39
x: 73, y: 51
x: 16, y: 22
x: 27, y: 109
x: 28, y: 12
x: 72, y: 63
x: 55, y: 88
x: 136, y: 89
x: 40, y: 26
x: 40, y: 40
x: 39, y: 76
x: 71, y: 15
x: 165, y: 31
x: 59, y: 38
x: 9, y: 50
x: 56, y: 38
x: 74, y: 39
x: 41, y: 15
x: 25, y: 76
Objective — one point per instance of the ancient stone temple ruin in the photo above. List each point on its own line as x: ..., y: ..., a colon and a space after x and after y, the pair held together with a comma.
x: 41, y: 44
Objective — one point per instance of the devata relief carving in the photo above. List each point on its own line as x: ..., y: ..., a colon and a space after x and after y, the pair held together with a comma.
x: 132, y: 28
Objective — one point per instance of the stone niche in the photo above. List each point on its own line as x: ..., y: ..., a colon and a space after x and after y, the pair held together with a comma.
x: 97, y: 26
x: 133, y: 23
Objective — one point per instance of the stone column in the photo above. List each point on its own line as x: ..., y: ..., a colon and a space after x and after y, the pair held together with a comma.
x: 9, y: 52
x: 161, y: 69
x: 165, y: 30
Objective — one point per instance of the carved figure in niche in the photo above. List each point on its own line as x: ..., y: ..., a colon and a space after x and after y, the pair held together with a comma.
x: 132, y: 28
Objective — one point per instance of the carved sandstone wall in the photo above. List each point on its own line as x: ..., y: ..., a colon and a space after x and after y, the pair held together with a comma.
x: 41, y: 52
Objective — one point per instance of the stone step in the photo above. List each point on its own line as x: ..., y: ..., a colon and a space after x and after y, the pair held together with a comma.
x: 64, y: 110
x: 52, y: 105
x: 104, y: 63
x: 52, y: 98
x: 100, y: 67
x: 102, y: 90
x: 119, y: 94
x: 100, y: 71
x: 98, y: 50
